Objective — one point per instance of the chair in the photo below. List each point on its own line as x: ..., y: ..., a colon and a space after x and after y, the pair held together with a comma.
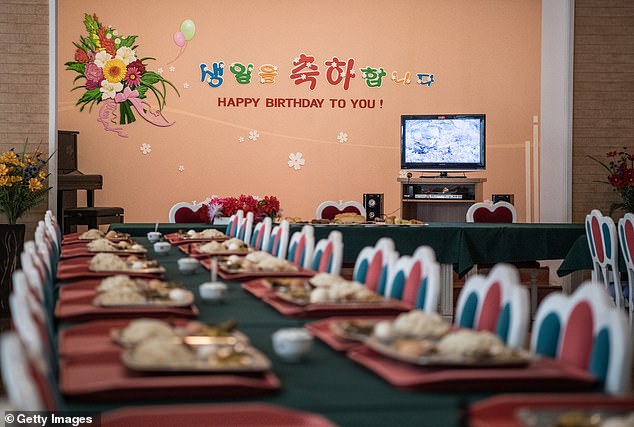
x: 329, y: 209
x: 496, y: 303
x: 416, y: 280
x: 626, y: 240
x: 373, y: 264
x: 234, y: 223
x: 504, y: 212
x: 603, y: 243
x: 261, y: 234
x: 301, y: 247
x: 585, y: 330
x: 91, y: 216
x: 492, y: 212
x: 185, y: 212
x: 328, y: 254
x: 278, y: 243
x: 245, y: 228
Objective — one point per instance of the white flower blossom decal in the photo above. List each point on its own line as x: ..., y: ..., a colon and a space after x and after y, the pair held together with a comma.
x: 159, y: 70
x: 342, y: 137
x: 145, y: 148
x: 172, y: 68
x: 181, y: 168
x: 296, y: 161
x: 254, y: 135
x: 241, y: 139
x: 186, y: 85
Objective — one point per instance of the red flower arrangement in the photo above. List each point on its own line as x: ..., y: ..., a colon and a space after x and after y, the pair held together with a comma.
x: 621, y: 177
x: 227, y: 206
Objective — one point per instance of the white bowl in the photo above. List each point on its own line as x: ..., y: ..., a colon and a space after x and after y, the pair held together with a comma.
x: 213, y: 291
x: 162, y: 248
x: 292, y: 344
x: 154, y: 236
x: 187, y: 265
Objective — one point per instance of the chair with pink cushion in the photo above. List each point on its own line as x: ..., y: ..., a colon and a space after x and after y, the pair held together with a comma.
x: 185, y: 212
x: 234, y: 223
x: 301, y: 247
x: 373, y: 264
x: 328, y: 254
x: 496, y: 303
x: 586, y: 331
x: 604, y: 248
x: 416, y: 280
x: 245, y: 228
x: 626, y: 240
x: 278, y: 243
x: 261, y: 234
x: 330, y: 208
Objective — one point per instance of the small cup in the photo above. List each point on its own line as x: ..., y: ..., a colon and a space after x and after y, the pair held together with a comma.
x: 154, y: 236
x: 187, y: 265
x: 213, y: 291
x: 162, y: 248
x: 292, y: 344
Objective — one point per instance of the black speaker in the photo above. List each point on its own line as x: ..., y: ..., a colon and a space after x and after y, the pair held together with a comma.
x: 503, y: 198
x: 373, y: 204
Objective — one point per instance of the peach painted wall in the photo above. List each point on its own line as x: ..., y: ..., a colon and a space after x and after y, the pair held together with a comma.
x: 484, y: 54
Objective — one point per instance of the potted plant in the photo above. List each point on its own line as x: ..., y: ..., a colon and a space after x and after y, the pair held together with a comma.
x: 23, y: 184
x: 620, y: 168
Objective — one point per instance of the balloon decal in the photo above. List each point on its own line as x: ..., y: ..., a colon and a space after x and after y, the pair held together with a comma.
x: 186, y: 33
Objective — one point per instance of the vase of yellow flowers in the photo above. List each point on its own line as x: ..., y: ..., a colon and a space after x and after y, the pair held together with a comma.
x: 23, y: 185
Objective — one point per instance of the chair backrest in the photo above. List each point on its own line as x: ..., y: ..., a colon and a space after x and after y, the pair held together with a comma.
x: 491, y: 212
x: 626, y: 241
x: 21, y: 388
x: 416, y: 280
x: 328, y: 254
x: 585, y: 330
x: 330, y: 208
x: 261, y: 234
x: 53, y: 231
x: 245, y: 228
x: 185, y: 212
x: 496, y: 303
x: 278, y: 243
x: 234, y: 223
x: 603, y: 244
x: 301, y: 247
x: 373, y: 265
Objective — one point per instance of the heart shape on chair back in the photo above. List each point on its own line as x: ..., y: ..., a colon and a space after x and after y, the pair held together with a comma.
x: 330, y: 212
x: 492, y: 214
x: 185, y: 214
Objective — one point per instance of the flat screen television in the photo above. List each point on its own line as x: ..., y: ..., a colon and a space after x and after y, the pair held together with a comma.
x: 443, y: 142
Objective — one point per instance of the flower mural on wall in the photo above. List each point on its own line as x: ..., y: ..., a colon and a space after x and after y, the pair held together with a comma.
x: 116, y: 78
x: 296, y: 161
x: 342, y: 137
x: 254, y: 135
x: 145, y: 149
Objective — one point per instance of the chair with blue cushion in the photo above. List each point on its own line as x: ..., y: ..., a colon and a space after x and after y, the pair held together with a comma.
x: 604, y: 249
x: 301, y: 247
x: 245, y: 228
x: 626, y: 240
x: 496, y: 303
x: 373, y: 264
x: 278, y: 243
x: 328, y: 254
x: 586, y: 331
x: 416, y: 280
x: 261, y: 234
x: 234, y: 223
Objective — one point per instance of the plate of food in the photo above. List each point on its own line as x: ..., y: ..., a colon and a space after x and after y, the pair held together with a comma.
x: 233, y: 246
x: 255, y: 262
x: 122, y: 290
x: 94, y: 233
x: 354, y: 329
x: 343, y: 292
x: 191, y: 236
x: 574, y: 418
x: 108, y: 262
x: 115, y: 246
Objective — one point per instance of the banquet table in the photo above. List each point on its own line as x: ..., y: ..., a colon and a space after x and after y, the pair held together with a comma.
x: 326, y: 382
x: 458, y: 246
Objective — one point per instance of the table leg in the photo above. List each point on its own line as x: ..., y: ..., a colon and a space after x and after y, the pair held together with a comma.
x: 446, y: 291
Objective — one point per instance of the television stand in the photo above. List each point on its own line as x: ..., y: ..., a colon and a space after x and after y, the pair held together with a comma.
x: 439, y: 199
x: 442, y: 175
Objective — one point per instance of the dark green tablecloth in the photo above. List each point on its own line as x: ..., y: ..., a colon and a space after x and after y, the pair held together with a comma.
x: 459, y: 244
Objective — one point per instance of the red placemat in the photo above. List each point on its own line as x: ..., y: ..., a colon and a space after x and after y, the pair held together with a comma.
x: 322, y: 329
x: 238, y: 414
x: 242, y: 276
x: 389, y: 307
x: 176, y: 239
x: 82, y: 251
x: 540, y: 375
x: 104, y: 378
x: 81, y: 309
x: 500, y: 411
x: 76, y: 271
x: 192, y: 251
x: 257, y: 287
